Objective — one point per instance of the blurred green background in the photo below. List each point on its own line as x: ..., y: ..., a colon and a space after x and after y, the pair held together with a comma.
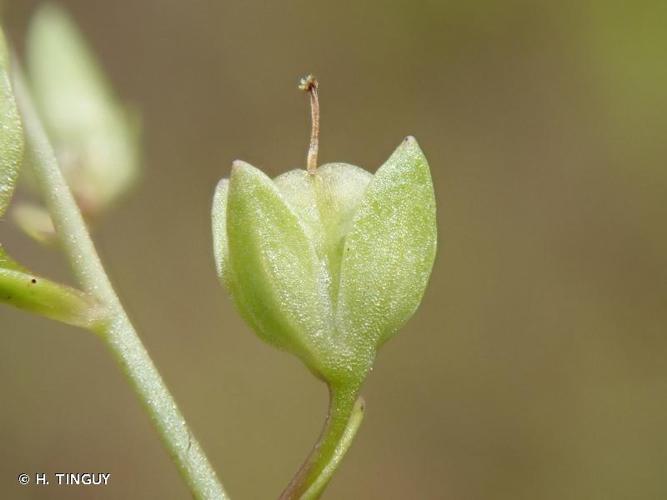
x: 536, y: 365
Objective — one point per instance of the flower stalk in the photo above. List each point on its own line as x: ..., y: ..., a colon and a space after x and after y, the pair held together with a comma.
x: 346, y: 412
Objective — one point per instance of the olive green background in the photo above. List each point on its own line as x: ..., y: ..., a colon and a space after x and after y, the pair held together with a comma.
x: 536, y: 366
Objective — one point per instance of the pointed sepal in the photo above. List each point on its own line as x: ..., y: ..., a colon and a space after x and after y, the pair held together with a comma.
x: 389, y: 252
x: 275, y: 277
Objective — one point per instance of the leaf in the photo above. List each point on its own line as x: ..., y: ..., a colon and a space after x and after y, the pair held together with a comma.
x: 389, y: 253
x: 21, y: 289
x: 11, y: 133
x: 284, y: 291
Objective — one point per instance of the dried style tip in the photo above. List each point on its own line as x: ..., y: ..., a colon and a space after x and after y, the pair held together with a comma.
x: 310, y: 84
x: 307, y: 82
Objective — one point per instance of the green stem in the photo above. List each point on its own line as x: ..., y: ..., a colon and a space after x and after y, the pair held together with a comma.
x: 117, y: 330
x: 346, y: 412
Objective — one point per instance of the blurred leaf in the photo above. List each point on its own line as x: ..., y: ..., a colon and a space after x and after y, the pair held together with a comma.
x: 11, y: 133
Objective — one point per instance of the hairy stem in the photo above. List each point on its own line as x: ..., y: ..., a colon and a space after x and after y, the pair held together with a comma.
x: 346, y: 412
x: 117, y: 330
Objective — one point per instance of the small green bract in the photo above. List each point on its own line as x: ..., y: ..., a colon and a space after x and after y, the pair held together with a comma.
x: 328, y: 266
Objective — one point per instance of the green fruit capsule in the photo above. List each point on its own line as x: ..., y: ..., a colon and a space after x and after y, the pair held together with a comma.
x: 329, y: 265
